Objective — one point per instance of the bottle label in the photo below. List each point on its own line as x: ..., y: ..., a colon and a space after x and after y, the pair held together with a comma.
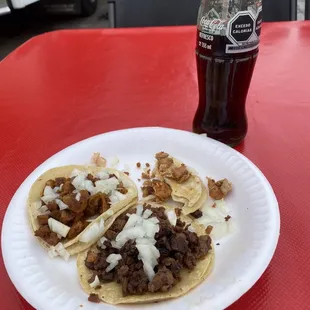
x: 243, y: 31
x: 240, y: 28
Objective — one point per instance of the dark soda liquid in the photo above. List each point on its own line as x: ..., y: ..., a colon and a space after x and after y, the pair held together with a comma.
x: 223, y: 82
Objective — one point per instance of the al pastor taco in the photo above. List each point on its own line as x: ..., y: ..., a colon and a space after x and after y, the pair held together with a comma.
x: 149, y: 253
x: 69, y: 207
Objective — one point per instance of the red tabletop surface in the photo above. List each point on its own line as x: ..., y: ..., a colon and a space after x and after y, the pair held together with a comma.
x: 61, y: 87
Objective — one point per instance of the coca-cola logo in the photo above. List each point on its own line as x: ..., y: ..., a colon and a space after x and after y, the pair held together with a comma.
x: 212, y: 24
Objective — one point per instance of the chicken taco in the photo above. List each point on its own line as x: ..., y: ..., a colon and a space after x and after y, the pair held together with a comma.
x: 69, y: 207
x: 149, y: 253
x: 186, y: 186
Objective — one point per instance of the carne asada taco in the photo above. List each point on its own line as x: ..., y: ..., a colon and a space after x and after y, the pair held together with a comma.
x: 187, y: 188
x: 149, y: 253
x: 68, y: 206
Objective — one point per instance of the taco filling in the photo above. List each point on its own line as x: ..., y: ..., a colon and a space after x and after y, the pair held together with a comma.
x: 69, y: 204
x: 146, y: 251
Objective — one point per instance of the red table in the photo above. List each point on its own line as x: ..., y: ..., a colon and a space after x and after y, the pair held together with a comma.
x: 65, y: 86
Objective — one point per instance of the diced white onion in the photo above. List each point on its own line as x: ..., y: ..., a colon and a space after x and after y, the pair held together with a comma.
x: 149, y: 271
x: 77, y: 172
x: 112, y: 259
x: 43, y: 210
x: 81, y: 183
x: 132, y: 221
x: 52, y: 253
x: 130, y: 233
x: 114, y: 161
x: 103, y: 175
x: 147, y: 213
x: 142, y: 229
x: 172, y: 217
x: 115, y: 245
x: 48, y: 195
x: 48, y: 191
x: 95, y: 283
x: 92, y: 232
x: 62, y: 251
x: 139, y: 210
x: 37, y: 204
x: 61, y: 204
x: 150, y: 228
x: 106, y: 186
x: 78, y: 196
x: 60, y: 187
x: 101, y: 241
x: 56, y: 189
x: 58, y: 227
x: 155, y: 220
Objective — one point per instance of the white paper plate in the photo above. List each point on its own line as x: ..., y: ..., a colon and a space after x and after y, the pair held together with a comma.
x: 240, y: 259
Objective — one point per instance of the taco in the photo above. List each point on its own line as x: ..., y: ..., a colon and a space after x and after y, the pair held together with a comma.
x: 68, y: 206
x: 149, y: 253
x: 186, y: 187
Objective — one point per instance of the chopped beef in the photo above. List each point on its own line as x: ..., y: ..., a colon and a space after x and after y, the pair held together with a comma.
x: 94, y: 298
x: 47, y: 235
x: 60, y: 181
x: 127, y: 173
x: 66, y: 216
x: 179, y: 243
x: 67, y: 188
x: 90, y: 259
x: 90, y: 177
x: 189, y: 260
x: 138, y: 165
x: 161, y: 155
x: 209, y: 229
x: 197, y: 214
x: 52, y: 206
x: 101, y: 262
x: 55, y: 215
x: 162, y: 190
x: 96, y: 204
x: 42, y: 219
x: 147, y: 165
x: 167, y: 168
x: 43, y: 231
x: 122, y: 189
x: 162, y: 281
x: 78, y: 217
x: 204, y: 245
x: 73, y: 204
x: 181, y: 174
x: 119, y: 224
x: 145, y: 176
x: 110, y: 234
x: 178, y: 211
x: 227, y: 218
x: 75, y: 229
x: 147, y: 188
x: 218, y: 190
x: 50, y: 183
x: 138, y: 282
x: 179, y: 248
x: 77, y: 212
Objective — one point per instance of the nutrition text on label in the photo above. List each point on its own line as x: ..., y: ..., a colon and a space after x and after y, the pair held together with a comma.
x: 206, y: 37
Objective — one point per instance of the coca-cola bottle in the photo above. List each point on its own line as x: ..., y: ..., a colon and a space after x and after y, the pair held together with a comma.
x: 228, y: 34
